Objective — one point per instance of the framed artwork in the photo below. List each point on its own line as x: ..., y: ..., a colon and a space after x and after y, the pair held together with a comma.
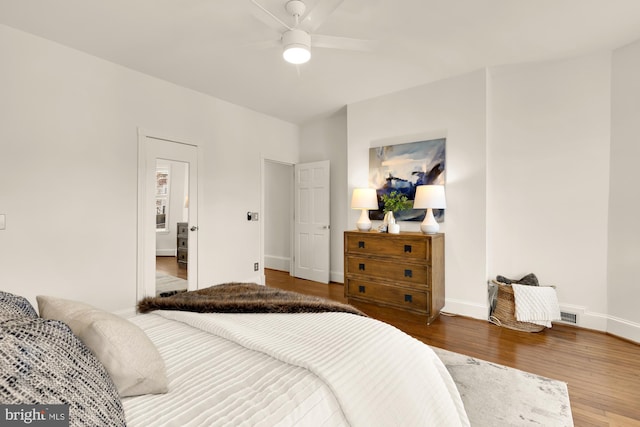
x: 396, y: 170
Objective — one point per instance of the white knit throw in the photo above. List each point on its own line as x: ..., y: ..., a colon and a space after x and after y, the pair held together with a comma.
x: 536, y: 304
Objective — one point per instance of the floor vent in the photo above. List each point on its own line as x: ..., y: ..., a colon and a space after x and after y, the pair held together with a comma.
x: 569, y: 317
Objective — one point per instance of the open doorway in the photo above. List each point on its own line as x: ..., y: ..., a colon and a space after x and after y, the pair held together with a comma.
x: 278, y: 215
x: 296, y: 218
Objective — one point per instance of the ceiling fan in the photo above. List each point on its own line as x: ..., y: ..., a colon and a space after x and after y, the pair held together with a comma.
x: 296, y: 39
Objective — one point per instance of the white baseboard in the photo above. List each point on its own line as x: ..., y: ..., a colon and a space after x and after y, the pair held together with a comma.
x: 585, y: 319
x: 165, y: 252
x: 465, y: 308
x: 336, y: 276
x: 604, y: 323
x: 624, y: 329
x: 277, y: 262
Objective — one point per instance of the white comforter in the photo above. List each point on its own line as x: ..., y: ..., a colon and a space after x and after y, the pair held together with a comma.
x: 293, y: 369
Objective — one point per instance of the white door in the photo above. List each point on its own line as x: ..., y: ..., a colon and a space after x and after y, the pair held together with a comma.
x: 150, y: 149
x: 312, y: 215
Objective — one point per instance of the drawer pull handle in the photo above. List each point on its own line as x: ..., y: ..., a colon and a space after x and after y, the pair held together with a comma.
x: 361, y: 244
x: 361, y: 267
x: 407, y: 249
x: 408, y: 273
x: 361, y: 289
x: 408, y: 298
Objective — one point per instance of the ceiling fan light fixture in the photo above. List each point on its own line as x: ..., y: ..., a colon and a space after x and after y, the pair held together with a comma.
x: 296, y: 46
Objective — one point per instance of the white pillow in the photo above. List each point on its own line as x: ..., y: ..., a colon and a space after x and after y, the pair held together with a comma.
x: 133, y: 362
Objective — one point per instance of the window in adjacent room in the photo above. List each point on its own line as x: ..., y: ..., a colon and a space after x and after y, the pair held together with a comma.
x: 162, y: 199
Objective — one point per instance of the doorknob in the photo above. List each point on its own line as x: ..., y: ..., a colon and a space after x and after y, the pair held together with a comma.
x: 325, y: 227
x: 194, y: 228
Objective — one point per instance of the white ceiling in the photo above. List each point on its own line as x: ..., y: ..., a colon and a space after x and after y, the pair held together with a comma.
x: 213, y: 46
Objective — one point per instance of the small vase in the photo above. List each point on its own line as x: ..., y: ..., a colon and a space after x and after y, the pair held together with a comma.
x: 388, y: 220
x: 384, y: 227
x: 393, y: 228
x: 391, y: 218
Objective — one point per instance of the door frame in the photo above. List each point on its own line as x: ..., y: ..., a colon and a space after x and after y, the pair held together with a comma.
x: 292, y: 222
x: 144, y: 277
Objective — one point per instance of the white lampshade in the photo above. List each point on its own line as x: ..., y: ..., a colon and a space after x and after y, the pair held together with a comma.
x: 365, y: 199
x: 429, y: 197
x: 297, y: 46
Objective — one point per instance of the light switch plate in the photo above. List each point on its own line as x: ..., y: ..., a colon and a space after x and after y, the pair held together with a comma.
x: 3, y: 221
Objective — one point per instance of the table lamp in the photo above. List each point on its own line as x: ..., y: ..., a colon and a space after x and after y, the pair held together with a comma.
x: 365, y: 199
x: 429, y: 197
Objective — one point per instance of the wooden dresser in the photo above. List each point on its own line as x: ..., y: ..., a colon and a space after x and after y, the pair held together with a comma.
x: 182, y: 244
x: 398, y: 273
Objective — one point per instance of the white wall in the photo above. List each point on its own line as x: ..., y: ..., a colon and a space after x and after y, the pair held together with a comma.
x: 68, y: 172
x: 277, y: 215
x: 548, y: 174
x: 541, y: 177
x: 624, y: 202
x: 326, y: 139
x: 456, y: 109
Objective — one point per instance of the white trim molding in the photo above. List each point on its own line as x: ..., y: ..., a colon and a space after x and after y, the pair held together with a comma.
x: 624, y: 328
x: 466, y: 308
x: 336, y: 276
x: 276, y: 262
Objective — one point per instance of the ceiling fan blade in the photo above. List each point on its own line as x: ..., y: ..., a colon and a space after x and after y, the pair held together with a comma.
x: 269, y: 19
x: 316, y: 16
x: 344, y: 43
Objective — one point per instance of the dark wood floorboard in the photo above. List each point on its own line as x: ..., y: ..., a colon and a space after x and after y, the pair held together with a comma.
x: 602, y: 371
x: 169, y: 265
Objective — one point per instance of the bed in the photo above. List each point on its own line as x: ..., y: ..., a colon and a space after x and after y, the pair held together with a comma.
x: 266, y: 369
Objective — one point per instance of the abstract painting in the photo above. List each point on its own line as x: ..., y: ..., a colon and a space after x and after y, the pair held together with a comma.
x: 401, y: 168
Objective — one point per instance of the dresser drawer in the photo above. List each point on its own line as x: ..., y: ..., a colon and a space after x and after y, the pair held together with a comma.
x: 183, y: 229
x: 387, y: 245
x: 413, y: 299
x: 183, y: 255
x: 183, y: 243
x: 387, y: 269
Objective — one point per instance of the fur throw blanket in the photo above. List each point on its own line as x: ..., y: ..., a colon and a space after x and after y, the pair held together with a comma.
x: 243, y: 298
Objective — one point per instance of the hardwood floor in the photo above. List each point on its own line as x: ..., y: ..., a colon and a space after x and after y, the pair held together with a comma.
x: 169, y: 265
x: 602, y: 371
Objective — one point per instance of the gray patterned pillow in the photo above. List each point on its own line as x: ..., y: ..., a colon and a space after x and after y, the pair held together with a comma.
x: 14, y: 306
x: 42, y: 362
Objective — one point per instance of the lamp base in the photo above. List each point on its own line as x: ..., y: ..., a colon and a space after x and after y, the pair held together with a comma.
x: 429, y: 225
x: 364, y: 223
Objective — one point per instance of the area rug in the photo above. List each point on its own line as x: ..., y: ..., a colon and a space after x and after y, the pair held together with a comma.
x: 166, y: 283
x: 496, y: 395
